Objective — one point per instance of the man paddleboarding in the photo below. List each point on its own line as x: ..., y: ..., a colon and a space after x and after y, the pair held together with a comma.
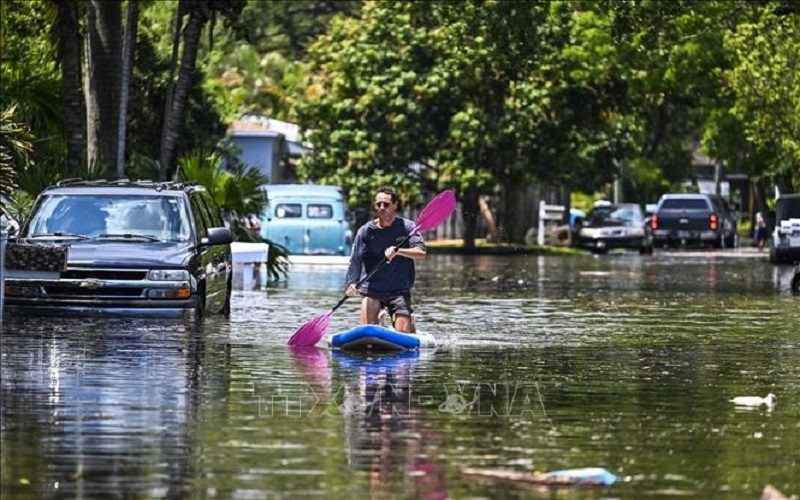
x: 390, y: 286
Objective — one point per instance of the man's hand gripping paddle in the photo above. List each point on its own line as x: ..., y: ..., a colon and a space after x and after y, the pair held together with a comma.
x: 436, y: 212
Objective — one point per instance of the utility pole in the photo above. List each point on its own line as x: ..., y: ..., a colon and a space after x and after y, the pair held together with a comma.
x: 618, y: 195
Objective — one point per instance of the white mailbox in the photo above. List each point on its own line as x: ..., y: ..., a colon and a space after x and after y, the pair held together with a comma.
x: 245, y: 256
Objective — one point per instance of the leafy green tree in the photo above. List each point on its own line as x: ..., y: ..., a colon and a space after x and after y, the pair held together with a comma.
x: 370, y: 109
x: 464, y: 96
x: 267, y: 74
x: 764, y: 81
x: 669, y: 53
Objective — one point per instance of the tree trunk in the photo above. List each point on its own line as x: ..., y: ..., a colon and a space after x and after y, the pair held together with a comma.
x: 104, y: 29
x: 174, y: 120
x: 131, y: 27
x: 173, y: 65
x: 70, y: 59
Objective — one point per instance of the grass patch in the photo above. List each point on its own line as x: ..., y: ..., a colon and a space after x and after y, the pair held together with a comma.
x: 484, y: 247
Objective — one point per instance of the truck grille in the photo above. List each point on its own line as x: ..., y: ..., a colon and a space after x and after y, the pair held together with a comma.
x: 66, y: 291
x: 105, y: 274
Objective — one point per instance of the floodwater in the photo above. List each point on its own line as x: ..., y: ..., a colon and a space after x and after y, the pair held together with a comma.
x: 624, y: 362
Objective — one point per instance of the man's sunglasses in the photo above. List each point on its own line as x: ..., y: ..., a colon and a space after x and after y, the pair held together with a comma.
x: 381, y: 204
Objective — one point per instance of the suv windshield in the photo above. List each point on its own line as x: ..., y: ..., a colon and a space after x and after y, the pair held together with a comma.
x: 100, y: 216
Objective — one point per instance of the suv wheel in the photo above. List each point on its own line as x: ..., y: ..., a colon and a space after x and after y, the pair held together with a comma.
x: 226, y: 306
x: 732, y: 241
x: 199, y: 310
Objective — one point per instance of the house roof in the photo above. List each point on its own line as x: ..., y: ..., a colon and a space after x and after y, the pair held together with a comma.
x: 261, y: 126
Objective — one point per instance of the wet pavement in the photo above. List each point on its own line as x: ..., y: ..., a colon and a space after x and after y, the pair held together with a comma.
x: 621, y: 361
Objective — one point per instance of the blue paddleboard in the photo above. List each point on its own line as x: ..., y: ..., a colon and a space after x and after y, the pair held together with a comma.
x: 378, y: 338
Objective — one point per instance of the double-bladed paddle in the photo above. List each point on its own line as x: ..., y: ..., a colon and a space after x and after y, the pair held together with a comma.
x: 436, y: 212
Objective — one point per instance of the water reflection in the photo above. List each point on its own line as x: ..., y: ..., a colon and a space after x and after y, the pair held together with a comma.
x: 630, y: 363
x: 383, y: 430
x: 97, y: 402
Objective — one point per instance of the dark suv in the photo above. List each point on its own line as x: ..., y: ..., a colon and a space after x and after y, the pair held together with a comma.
x: 121, y: 248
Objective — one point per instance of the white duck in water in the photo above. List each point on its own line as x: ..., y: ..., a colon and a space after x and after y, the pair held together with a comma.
x: 770, y: 400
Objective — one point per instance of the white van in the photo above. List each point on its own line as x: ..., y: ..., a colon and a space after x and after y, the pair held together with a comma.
x: 307, y: 219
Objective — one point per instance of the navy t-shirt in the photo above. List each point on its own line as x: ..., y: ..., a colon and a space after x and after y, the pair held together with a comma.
x: 369, y: 248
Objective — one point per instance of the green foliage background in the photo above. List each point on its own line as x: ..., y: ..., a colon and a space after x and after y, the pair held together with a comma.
x: 476, y: 96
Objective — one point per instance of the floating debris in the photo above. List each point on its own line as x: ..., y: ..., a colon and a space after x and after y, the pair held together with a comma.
x: 771, y: 493
x: 769, y: 400
x: 589, y: 476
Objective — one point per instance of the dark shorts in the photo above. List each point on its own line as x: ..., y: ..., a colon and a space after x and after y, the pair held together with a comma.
x: 397, y: 303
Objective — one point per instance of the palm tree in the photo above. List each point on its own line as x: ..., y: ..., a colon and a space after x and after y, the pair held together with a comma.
x: 104, y: 37
x: 201, y: 12
x: 15, y: 149
x: 131, y: 27
x: 239, y: 194
x: 69, y: 45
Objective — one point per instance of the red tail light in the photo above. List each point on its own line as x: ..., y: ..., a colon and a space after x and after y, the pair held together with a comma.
x: 654, y: 221
x: 713, y: 222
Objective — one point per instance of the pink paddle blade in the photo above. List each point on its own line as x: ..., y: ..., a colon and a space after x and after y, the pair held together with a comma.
x: 436, y: 211
x: 311, y: 333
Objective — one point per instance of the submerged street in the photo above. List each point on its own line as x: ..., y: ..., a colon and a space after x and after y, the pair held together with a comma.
x: 621, y: 361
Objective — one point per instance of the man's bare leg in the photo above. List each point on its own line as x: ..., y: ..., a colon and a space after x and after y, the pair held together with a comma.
x: 403, y: 323
x: 369, y: 311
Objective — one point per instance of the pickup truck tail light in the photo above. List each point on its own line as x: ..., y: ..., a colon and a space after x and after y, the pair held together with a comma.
x: 654, y: 222
x: 713, y: 222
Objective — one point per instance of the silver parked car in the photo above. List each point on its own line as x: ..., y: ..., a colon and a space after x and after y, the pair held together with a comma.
x: 606, y: 227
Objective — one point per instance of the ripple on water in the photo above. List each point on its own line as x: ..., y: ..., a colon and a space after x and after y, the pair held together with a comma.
x: 622, y: 362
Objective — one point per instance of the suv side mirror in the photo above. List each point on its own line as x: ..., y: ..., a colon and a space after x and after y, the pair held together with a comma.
x: 218, y: 236
x: 9, y: 227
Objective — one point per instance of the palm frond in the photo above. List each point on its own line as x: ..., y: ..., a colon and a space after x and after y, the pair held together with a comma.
x: 238, y: 193
x: 15, y: 149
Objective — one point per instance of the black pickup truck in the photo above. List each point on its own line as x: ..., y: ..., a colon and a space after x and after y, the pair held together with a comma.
x: 693, y: 219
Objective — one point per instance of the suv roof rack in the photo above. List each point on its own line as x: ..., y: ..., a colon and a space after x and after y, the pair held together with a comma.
x: 157, y: 185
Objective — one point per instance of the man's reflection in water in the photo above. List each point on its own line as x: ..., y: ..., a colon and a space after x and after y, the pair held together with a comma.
x: 385, y: 434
